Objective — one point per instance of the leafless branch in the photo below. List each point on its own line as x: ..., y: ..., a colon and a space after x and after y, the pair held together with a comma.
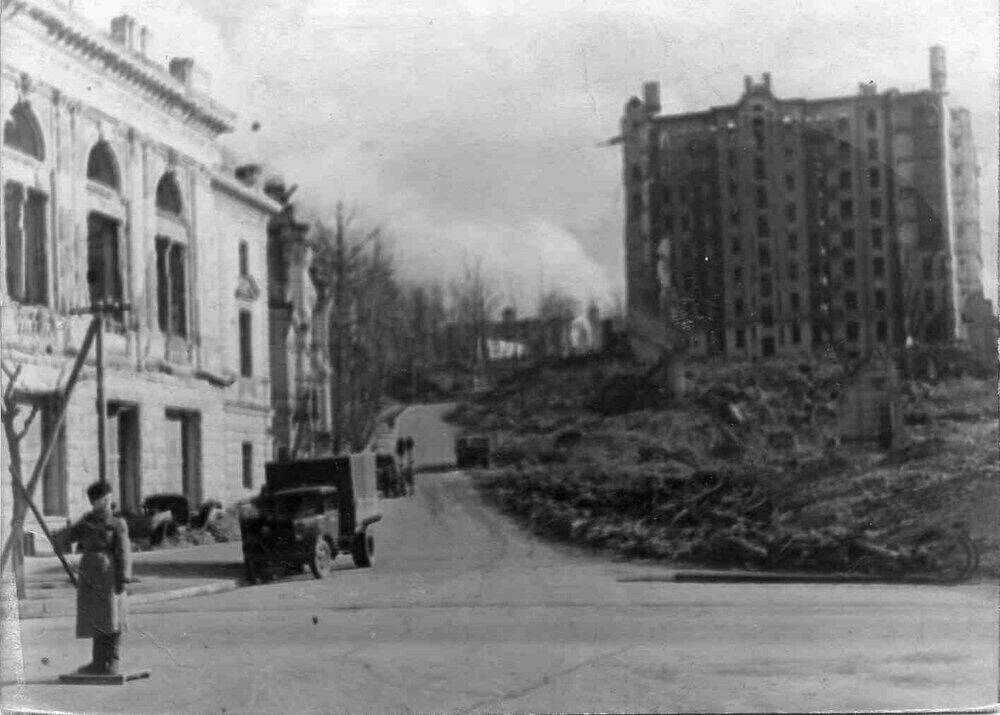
x: 11, y: 380
x: 27, y: 422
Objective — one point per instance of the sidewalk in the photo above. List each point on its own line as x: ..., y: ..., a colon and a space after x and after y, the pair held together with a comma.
x: 161, y: 576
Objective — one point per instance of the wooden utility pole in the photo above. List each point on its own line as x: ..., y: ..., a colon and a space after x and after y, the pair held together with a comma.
x: 101, y: 405
x: 338, y: 357
x: 24, y: 493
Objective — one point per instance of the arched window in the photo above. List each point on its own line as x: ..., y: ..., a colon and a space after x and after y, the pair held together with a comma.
x: 168, y: 195
x: 21, y: 132
x: 101, y: 165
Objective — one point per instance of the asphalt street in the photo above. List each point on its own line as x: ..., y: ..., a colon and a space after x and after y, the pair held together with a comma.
x: 464, y: 612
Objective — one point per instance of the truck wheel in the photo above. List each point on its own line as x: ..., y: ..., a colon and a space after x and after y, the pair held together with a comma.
x: 363, y: 550
x: 257, y: 571
x: 321, y: 559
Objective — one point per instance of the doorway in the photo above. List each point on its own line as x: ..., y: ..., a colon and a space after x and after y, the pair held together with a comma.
x: 184, y: 451
x: 124, y: 454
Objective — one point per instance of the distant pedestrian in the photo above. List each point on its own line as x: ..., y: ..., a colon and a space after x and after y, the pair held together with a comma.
x: 408, y: 445
x: 105, y: 568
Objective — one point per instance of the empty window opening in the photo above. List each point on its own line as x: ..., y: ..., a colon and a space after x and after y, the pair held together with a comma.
x: 244, y: 258
x: 171, y: 289
x: 21, y: 132
x: 877, y: 237
x: 25, y: 240
x: 246, y: 344
x: 168, y: 195
x: 104, y: 276
x: 246, y: 450
x: 102, y: 167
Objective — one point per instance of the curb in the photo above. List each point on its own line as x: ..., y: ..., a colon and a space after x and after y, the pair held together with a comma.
x: 774, y: 577
x: 433, y: 468
x: 67, y: 606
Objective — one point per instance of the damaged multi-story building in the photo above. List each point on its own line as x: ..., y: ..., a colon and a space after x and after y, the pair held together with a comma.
x: 772, y: 226
x: 115, y: 188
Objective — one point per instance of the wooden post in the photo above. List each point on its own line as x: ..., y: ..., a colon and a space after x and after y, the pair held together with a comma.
x: 26, y: 492
x: 48, y: 535
x: 102, y: 440
x: 94, y: 333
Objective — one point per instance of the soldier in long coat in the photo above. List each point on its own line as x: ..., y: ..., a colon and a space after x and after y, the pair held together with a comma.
x: 105, y: 568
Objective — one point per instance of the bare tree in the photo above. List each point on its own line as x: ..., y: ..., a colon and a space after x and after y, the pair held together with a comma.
x: 334, y: 270
x: 474, y: 305
x: 10, y: 411
x: 558, y: 305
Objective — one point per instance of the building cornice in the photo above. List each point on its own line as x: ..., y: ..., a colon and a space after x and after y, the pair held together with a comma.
x: 245, y: 194
x: 800, y: 102
x: 71, y: 31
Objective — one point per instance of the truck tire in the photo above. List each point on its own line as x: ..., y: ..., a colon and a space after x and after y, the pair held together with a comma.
x: 363, y: 550
x: 321, y: 559
x: 257, y: 571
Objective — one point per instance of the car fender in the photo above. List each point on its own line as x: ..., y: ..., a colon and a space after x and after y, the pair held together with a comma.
x: 365, y: 523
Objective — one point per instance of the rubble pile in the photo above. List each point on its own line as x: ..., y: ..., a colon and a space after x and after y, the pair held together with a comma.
x: 746, y: 469
x: 715, y: 517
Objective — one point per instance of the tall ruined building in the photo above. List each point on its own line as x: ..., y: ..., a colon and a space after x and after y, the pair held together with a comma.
x: 773, y: 225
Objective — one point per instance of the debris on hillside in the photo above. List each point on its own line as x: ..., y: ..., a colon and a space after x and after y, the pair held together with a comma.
x: 771, y: 428
x: 715, y: 517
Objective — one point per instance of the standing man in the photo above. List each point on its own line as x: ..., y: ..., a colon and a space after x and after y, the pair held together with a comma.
x: 409, y: 466
x: 106, y: 566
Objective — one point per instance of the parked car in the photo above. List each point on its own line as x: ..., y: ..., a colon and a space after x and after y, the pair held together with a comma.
x: 177, y: 504
x: 307, y: 513
x: 472, y: 451
x: 165, y: 514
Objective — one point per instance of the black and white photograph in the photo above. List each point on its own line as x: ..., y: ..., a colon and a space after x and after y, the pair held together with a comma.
x: 474, y: 356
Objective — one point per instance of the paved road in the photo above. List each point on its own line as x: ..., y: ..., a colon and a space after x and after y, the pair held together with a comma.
x: 465, y: 613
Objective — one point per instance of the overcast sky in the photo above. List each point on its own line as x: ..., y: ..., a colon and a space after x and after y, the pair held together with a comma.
x: 470, y: 131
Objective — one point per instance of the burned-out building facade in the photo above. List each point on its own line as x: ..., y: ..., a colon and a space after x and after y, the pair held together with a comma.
x: 774, y: 226
x: 115, y: 188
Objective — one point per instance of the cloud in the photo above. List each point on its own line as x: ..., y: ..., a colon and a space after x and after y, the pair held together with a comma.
x: 466, y: 124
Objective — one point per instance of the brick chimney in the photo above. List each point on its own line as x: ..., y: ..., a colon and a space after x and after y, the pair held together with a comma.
x: 144, y: 40
x: 182, y: 68
x: 651, y: 97
x: 123, y: 32
x: 939, y: 70
x: 867, y: 89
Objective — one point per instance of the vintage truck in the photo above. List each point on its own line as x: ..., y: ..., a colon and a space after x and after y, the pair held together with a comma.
x: 308, y: 512
x: 472, y: 451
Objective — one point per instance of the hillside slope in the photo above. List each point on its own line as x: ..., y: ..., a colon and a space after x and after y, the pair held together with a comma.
x: 745, y: 470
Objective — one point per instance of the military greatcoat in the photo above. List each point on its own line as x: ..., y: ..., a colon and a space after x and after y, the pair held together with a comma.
x: 105, y: 568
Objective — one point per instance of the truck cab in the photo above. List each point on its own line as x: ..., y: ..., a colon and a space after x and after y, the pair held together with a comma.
x: 307, y: 513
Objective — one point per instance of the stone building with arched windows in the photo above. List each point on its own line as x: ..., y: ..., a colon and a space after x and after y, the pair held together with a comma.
x: 115, y: 188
